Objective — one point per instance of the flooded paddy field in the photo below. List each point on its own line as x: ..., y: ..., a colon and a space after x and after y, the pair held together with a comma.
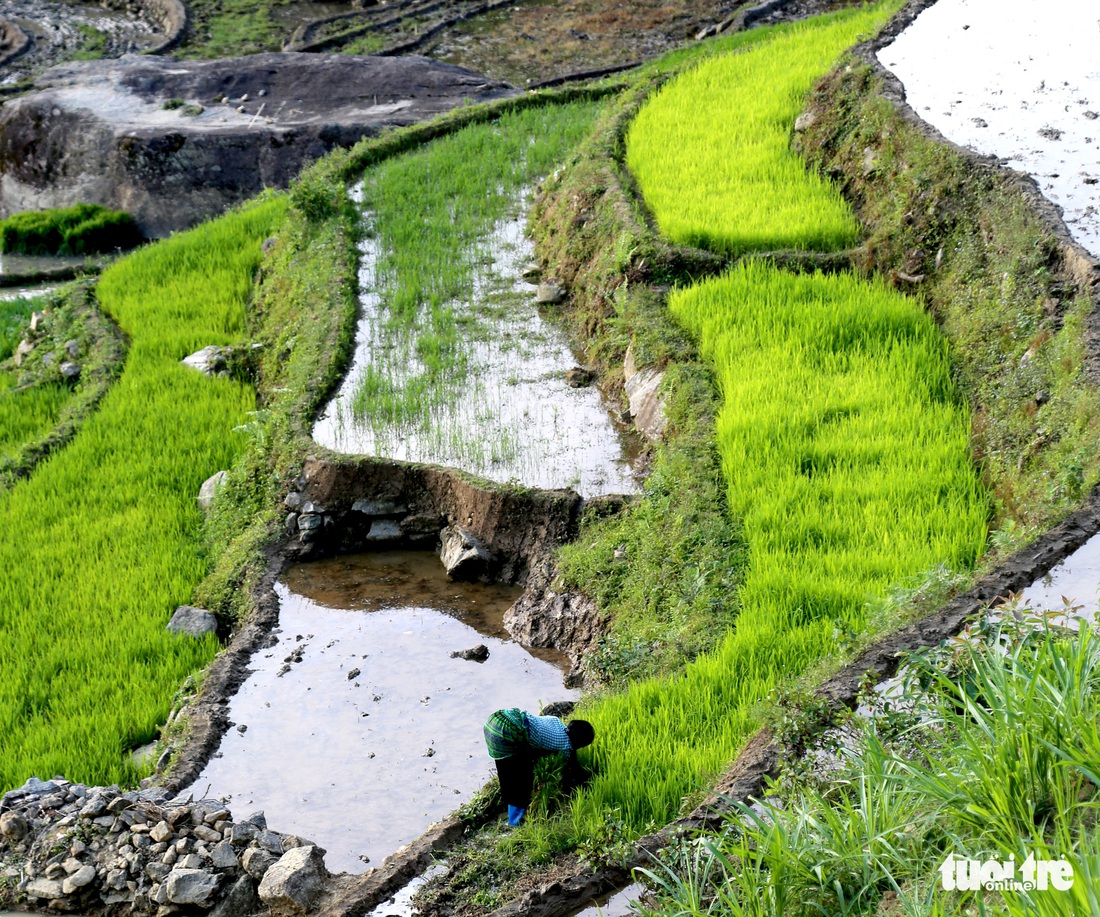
x: 514, y: 417
x: 358, y: 728
x: 1018, y: 80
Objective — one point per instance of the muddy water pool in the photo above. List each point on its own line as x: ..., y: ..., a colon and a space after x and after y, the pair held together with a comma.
x: 513, y: 418
x: 1019, y: 80
x: 358, y: 729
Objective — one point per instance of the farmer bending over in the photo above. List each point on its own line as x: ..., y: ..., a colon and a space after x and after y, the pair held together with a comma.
x: 515, y: 738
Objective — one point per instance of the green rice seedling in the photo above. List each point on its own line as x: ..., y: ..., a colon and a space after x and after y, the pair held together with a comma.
x: 710, y: 151
x: 27, y: 413
x: 77, y: 230
x: 103, y: 541
x: 845, y: 453
x: 431, y: 214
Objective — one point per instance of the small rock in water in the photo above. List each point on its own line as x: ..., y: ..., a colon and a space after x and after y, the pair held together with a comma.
x: 550, y: 294
x: 477, y: 653
x: 429, y: 753
x: 531, y: 272
x: 354, y: 673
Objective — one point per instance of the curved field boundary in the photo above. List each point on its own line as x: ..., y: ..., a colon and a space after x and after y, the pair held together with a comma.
x: 103, y: 541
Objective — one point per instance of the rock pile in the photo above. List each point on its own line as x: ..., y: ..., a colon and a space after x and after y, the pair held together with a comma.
x: 70, y: 847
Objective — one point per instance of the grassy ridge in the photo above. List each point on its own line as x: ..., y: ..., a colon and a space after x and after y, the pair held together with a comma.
x: 711, y: 153
x: 102, y: 542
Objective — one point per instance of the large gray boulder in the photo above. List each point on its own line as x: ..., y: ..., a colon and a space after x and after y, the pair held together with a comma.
x: 194, y: 622
x: 99, y: 131
x: 296, y: 881
x: 192, y: 886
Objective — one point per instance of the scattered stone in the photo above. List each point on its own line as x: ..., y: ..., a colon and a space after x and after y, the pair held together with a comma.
x: 210, y: 489
x: 354, y: 673
x: 256, y: 862
x: 209, y: 361
x: 38, y: 319
x: 1050, y: 133
x: 296, y: 880
x: 13, y: 826
x: 241, y: 834
x: 1091, y: 115
x: 805, y: 121
x: 70, y: 370
x: 204, y: 833
x: 477, y: 653
x: 240, y: 901
x: 82, y: 877
x: 980, y: 122
x: 242, y: 728
x: 384, y: 530
x: 45, y: 888
x: 550, y: 294
x: 24, y: 348
x: 429, y: 752
x: 309, y: 524
x: 194, y: 622
x: 378, y: 507
x: 531, y: 272
x: 463, y: 556
x: 291, y: 524
x: 191, y: 886
x: 161, y: 832
x: 647, y: 408
x: 223, y: 856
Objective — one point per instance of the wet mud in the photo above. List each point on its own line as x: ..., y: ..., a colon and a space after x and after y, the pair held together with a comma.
x: 359, y: 727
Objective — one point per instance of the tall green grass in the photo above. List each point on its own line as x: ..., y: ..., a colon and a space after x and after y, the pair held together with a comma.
x: 711, y: 154
x: 27, y: 413
x: 77, y: 230
x: 844, y: 445
x: 103, y: 541
x: 1007, y: 773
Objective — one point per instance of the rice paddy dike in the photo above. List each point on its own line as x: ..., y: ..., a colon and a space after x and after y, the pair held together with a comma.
x: 675, y: 571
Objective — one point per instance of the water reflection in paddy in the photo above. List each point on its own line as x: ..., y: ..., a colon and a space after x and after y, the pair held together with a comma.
x: 376, y: 732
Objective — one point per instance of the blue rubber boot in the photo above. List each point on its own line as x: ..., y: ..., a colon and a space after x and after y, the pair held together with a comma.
x: 515, y: 816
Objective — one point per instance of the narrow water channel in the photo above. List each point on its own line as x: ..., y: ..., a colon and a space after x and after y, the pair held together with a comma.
x: 358, y: 729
